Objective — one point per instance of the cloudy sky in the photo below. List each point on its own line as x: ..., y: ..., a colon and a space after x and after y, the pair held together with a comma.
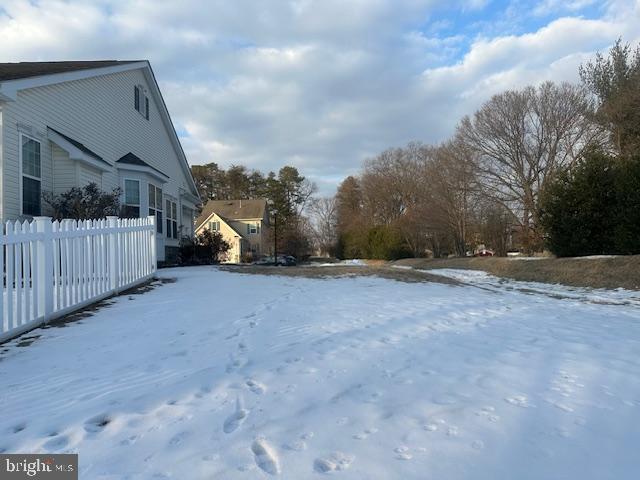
x: 321, y: 84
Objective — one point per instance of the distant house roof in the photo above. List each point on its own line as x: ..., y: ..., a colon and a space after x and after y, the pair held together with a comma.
x: 131, y: 159
x: 15, y: 71
x: 233, y: 210
x: 80, y: 146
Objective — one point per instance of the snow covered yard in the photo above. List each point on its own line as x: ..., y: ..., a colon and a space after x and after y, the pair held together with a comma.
x: 223, y: 376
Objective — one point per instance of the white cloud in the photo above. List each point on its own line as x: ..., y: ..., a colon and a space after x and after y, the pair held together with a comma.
x: 547, y: 7
x: 318, y: 83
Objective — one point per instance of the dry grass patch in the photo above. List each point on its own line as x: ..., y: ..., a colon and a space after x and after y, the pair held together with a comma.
x: 381, y: 269
x: 609, y: 272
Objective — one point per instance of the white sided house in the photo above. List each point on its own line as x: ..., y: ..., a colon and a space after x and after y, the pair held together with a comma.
x: 68, y: 124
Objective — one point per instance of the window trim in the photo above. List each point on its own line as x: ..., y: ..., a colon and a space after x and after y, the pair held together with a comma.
x: 22, y: 174
x: 124, y: 194
x: 141, y: 99
x: 158, y: 212
x: 171, y: 219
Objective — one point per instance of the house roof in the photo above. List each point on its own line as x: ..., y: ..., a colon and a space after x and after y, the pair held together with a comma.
x: 15, y: 71
x: 131, y: 159
x: 233, y: 210
x: 19, y: 76
x: 80, y: 146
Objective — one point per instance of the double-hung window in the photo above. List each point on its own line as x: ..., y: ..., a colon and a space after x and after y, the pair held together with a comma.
x: 172, y: 219
x: 155, y: 205
x: 214, y: 226
x: 31, y: 175
x: 131, y: 207
x: 253, y: 228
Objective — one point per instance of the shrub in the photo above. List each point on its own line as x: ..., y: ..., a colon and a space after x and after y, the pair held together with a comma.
x: 627, y: 213
x: 593, y: 208
x: 83, y: 203
x: 380, y: 243
x: 211, y: 245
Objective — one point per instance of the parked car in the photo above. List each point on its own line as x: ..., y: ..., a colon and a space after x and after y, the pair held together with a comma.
x: 283, y: 260
x: 287, y: 260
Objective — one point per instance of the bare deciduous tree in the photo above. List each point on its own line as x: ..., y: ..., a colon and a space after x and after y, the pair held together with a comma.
x: 521, y: 137
x: 324, y: 218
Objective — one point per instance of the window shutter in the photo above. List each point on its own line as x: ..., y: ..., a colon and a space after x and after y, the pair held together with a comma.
x: 146, y: 107
x: 136, y: 98
x: 248, y: 228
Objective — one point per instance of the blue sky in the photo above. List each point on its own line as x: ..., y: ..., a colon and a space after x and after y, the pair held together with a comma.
x: 322, y: 84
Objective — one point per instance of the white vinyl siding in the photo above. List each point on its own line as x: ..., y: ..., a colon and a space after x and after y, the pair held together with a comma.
x: 64, y: 170
x: 87, y: 175
x: 97, y: 112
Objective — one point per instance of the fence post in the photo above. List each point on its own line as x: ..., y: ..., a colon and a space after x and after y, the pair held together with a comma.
x: 44, y: 251
x: 154, y: 253
x: 114, y: 255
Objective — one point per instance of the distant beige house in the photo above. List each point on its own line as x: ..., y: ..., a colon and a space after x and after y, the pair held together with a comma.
x: 244, y: 224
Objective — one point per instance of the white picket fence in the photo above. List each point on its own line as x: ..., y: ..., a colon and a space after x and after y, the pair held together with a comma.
x: 51, y: 269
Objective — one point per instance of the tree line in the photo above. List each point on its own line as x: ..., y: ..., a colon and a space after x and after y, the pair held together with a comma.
x: 553, y: 166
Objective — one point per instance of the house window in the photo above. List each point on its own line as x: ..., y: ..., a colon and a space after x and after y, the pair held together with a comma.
x: 31, y: 175
x: 253, y: 228
x: 155, y: 205
x: 141, y: 101
x: 214, y: 226
x: 172, y: 220
x: 131, y: 208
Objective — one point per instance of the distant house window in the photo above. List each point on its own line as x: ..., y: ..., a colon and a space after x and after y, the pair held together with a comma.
x: 253, y: 228
x: 172, y: 219
x: 155, y: 205
x: 131, y: 207
x: 141, y: 101
x: 31, y: 175
x: 214, y: 226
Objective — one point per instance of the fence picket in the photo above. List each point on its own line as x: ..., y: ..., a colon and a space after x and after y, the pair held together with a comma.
x: 52, y: 268
x: 4, y: 326
x: 26, y: 283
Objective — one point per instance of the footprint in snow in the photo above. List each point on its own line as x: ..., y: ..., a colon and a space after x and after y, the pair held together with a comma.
x: 402, y: 453
x: 236, y: 363
x: 518, y: 401
x: 296, y: 446
x: 333, y: 462
x: 129, y: 440
x: 19, y: 427
x: 237, y: 418
x: 56, y: 443
x: 478, y: 445
x: 488, y: 413
x: 365, y: 434
x: 265, y: 456
x: 97, y: 423
x: 178, y: 438
x: 256, y: 387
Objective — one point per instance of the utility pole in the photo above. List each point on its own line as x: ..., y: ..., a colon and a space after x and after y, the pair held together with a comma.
x: 275, y: 239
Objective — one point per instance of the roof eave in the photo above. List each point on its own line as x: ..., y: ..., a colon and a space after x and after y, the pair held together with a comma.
x: 9, y: 88
x: 161, y: 177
